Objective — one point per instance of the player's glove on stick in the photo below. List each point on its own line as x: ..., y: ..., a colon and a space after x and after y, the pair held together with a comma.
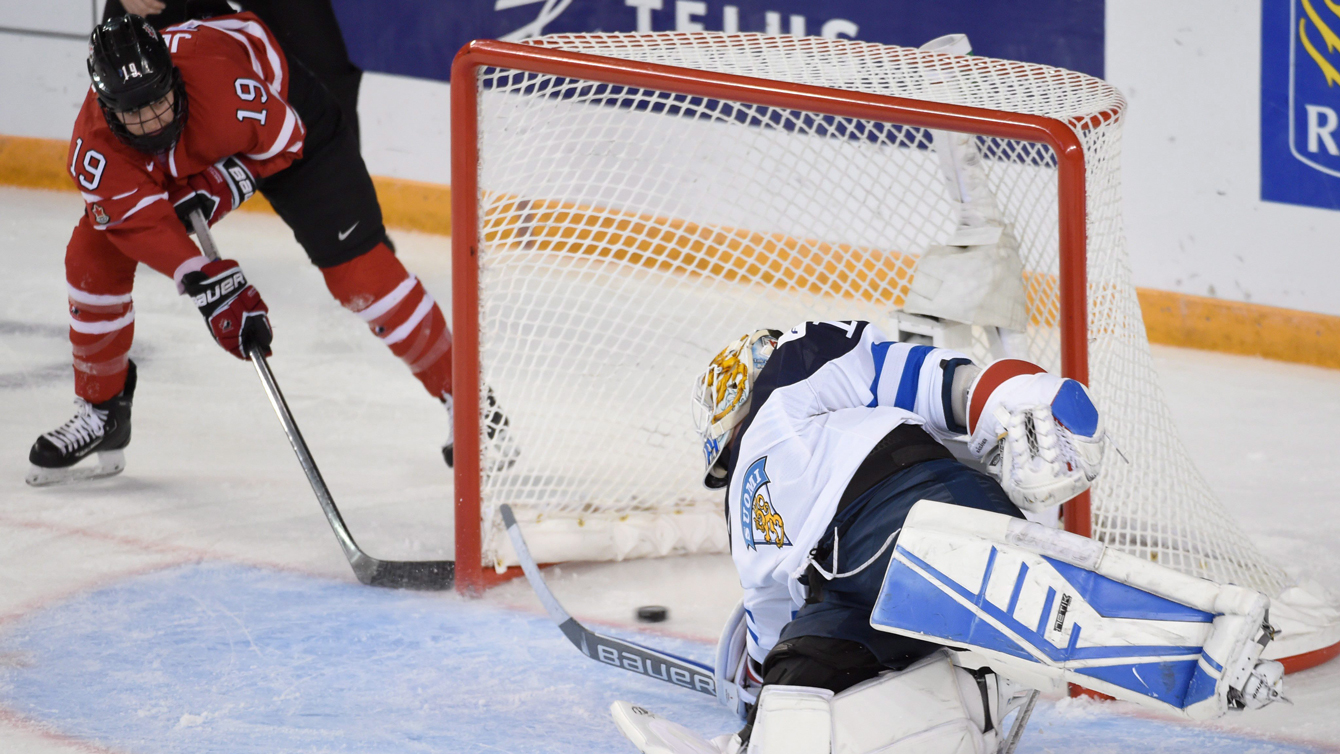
x: 233, y: 309
x: 1040, y: 434
x: 220, y: 189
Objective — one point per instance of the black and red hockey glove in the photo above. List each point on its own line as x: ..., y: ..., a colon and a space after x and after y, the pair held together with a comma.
x: 220, y: 189
x: 233, y: 310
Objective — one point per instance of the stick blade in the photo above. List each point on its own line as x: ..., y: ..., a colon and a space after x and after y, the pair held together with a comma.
x: 421, y: 575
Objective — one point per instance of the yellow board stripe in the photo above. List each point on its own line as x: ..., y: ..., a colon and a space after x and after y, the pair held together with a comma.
x: 1175, y: 319
x: 40, y: 163
x: 1211, y: 324
x: 674, y: 245
x: 732, y: 254
x: 34, y: 163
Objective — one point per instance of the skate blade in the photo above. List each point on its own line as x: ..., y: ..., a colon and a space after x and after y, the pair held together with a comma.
x: 104, y: 464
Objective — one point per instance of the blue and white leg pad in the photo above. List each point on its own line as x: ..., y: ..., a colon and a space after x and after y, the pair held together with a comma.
x: 1046, y: 607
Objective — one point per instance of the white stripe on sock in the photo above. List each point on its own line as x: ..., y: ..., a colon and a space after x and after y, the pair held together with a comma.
x: 100, y: 328
x: 94, y: 299
x: 404, y: 330
x: 389, y: 301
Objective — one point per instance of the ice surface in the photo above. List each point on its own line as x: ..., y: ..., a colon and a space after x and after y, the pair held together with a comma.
x: 226, y: 658
x: 229, y: 658
x: 198, y: 602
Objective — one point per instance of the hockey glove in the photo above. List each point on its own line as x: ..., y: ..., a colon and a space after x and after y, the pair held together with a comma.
x: 233, y: 310
x: 1040, y: 434
x: 220, y: 189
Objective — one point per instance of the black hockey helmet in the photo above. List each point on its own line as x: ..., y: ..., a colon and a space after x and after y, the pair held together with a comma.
x: 130, y: 67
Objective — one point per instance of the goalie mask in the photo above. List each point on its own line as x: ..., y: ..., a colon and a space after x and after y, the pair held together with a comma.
x: 721, y: 396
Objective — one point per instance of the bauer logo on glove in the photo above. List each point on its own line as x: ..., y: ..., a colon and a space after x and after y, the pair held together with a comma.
x: 232, y: 308
x: 1040, y: 434
x: 217, y: 290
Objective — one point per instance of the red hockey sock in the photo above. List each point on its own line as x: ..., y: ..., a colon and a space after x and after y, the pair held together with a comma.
x: 398, y: 310
x: 101, y: 329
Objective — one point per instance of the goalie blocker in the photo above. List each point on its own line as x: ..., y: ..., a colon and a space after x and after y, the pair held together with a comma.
x: 1046, y: 607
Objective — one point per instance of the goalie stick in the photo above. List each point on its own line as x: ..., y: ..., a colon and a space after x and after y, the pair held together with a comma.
x: 663, y: 666
x: 395, y: 574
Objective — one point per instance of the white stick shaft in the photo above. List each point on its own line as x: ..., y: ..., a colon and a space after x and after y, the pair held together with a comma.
x: 203, y: 236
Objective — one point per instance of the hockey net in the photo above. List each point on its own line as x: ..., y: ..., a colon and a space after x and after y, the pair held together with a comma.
x: 622, y: 213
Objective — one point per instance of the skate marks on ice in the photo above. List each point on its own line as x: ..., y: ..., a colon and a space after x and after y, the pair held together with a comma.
x: 33, y: 354
x: 10, y: 328
x: 227, y: 658
x: 37, y: 354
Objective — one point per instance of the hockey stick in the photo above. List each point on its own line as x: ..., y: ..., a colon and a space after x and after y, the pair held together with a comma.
x: 680, y: 671
x: 1017, y: 730
x: 395, y: 574
x: 652, y: 663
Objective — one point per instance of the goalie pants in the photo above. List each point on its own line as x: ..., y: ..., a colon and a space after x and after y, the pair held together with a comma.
x: 829, y: 643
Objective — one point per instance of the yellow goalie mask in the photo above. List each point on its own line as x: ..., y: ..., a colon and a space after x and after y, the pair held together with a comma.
x: 722, y: 394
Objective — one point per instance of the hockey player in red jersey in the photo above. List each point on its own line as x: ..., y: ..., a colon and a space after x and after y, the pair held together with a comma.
x: 201, y: 117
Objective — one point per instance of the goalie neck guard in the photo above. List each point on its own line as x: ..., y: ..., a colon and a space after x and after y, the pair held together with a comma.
x: 721, y: 396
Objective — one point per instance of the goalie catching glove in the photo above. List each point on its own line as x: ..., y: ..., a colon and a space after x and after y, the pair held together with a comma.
x: 1039, y: 434
x: 232, y: 308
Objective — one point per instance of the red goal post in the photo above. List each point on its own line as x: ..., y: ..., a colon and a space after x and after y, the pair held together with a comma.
x: 472, y: 577
x: 625, y: 203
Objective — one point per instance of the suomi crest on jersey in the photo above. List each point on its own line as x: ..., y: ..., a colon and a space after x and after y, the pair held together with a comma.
x: 759, y: 520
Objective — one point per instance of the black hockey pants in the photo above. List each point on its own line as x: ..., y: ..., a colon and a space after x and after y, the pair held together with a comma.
x: 327, y: 197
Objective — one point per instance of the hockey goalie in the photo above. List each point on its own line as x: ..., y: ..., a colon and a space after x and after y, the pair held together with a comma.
x: 897, y: 599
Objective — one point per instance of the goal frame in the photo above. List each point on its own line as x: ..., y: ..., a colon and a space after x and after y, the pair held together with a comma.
x: 472, y: 578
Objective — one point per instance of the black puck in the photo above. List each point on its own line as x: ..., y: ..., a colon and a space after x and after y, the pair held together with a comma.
x: 652, y: 613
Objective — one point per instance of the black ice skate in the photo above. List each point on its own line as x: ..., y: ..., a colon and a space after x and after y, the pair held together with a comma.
x: 499, y: 450
x: 101, y: 430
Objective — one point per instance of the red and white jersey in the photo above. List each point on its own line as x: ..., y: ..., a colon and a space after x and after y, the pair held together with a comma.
x: 236, y: 81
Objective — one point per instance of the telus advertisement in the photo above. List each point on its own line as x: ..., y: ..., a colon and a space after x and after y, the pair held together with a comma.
x: 420, y: 37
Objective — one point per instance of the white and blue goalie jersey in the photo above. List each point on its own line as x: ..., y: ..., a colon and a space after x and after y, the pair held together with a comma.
x: 828, y: 394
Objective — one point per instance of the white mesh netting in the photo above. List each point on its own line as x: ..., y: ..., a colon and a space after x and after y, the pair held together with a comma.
x: 628, y: 234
